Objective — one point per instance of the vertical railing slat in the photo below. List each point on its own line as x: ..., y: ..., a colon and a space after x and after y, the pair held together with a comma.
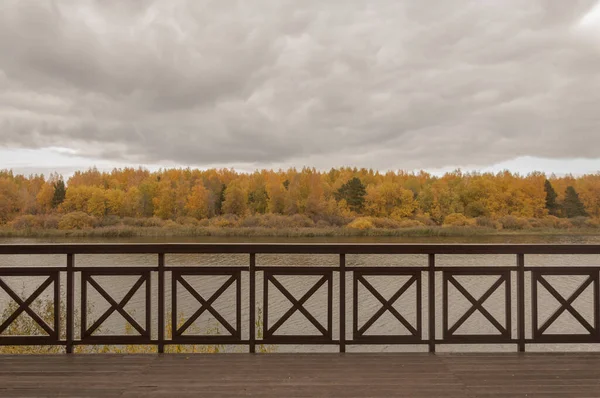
x: 521, y: 300
x: 84, y: 305
x: 57, y: 305
x: 173, y: 304
x: 342, y: 302
x: 70, y: 301
x: 161, y: 303
x: 252, y: 304
x: 149, y: 305
x: 431, y: 300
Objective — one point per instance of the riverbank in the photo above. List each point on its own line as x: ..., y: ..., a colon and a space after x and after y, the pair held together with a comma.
x: 298, y: 232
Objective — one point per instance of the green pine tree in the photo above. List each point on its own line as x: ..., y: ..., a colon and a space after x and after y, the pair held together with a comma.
x: 572, y: 205
x: 60, y: 192
x: 353, y: 192
x: 220, y: 200
x: 551, y: 203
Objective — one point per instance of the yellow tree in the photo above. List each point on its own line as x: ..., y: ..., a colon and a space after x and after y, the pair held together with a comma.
x: 390, y: 200
x: 589, y: 191
x: 132, y: 203
x: 235, y: 199
x: 276, y: 194
x: 258, y: 198
x: 44, y: 197
x: 198, y: 202
x: 315, y: 202
x: 9, y: 199
x: 77, y: 198
x: 115, y: 198
x: 96, y: 205
x: 164, y: 202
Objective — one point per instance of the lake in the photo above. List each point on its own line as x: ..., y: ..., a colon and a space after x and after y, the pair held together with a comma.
x: 297, y: 324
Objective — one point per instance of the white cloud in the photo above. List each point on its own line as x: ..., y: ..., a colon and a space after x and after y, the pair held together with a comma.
x: 381, y: 83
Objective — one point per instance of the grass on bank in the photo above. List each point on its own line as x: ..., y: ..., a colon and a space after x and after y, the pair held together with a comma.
x: 79, y: 224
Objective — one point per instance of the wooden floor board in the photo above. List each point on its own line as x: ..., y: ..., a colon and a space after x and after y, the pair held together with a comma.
x: 302, y: 375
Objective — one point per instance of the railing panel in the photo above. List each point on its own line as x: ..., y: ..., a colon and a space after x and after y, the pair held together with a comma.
x: 418, y: 285
x: 89, y: 280
x: 360, y: 332
x: 205, y: 305
x: 51, y: 332
x: 324, y: 280
x: 539, y: 279
x: 503, y: 327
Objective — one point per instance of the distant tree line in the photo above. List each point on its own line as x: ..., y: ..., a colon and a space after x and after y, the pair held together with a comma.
x: 335, y: 197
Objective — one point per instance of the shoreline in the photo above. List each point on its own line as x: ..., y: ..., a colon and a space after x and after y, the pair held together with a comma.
x: 299, y: 232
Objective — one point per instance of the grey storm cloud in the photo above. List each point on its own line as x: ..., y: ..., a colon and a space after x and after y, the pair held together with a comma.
x: 379, y: 83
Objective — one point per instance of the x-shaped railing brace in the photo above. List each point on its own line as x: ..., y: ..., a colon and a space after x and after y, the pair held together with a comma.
x: 24, y: 306
x: 387, y: 305
x: 206, y: 305
x: 477, y: 305
x: 114, y: 306
x: 565, y: 305
x: 297, y: 305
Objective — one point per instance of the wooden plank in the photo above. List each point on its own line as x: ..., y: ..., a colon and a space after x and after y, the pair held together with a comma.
x: 302, y: 375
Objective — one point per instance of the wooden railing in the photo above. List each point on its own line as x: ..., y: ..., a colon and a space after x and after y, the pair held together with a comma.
x: 426, y: 279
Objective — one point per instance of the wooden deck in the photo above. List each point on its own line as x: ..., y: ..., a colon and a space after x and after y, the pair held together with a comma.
x: 302, y: 375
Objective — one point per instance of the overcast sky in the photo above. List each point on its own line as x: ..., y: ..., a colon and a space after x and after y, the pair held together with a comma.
x: 387, y: 84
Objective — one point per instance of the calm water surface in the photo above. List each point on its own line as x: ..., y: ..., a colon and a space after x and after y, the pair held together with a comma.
x: 297, y: 324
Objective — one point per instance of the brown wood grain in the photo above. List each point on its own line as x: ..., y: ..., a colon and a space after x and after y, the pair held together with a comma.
x: 302, y: 375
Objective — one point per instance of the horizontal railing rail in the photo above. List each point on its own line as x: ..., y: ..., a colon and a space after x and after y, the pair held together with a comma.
x: 426, y: 329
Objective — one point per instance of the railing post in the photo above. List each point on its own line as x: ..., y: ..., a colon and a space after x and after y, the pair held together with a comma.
x: 252, y: 304
x: 521, y: 300
x: 431, y: 299
x: 161, y: 303
x: 70, y: 301
x: 342, y: 302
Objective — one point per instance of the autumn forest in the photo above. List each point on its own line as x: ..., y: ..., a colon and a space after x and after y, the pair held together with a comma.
x: 354, y: 199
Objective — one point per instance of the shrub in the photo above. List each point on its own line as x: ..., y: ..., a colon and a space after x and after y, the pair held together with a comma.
x: 277, y: 221
x: 384, y: 223
x: 486, y: 222
x: 51, y: 222
x: 130, y: 221
x: 252, y: 221
x: 333, y: 218
x: 549, y: 222
x: 537, y: 223
x: 592, y: 223
x: 109, y: 221
x: 301, y: 221
x: 514, y: 223
x: 26, y: 222
x: 170, y: 224
x: 76, y: 220
x: 205, y: 222
x: 555, y: 222
x: 361, y: 223
x: 143, y: 222
x: 187, y: 221
x: 322, y: 224
x: 153, y: 222
x: 227, y: 220
x: 408, y: 223
x: 563, y: 223
x: 426, y: 220
x: 579, y: 222
x: 456, y: 220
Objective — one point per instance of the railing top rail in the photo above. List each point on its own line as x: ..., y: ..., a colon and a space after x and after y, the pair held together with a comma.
x: 297, y: 248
